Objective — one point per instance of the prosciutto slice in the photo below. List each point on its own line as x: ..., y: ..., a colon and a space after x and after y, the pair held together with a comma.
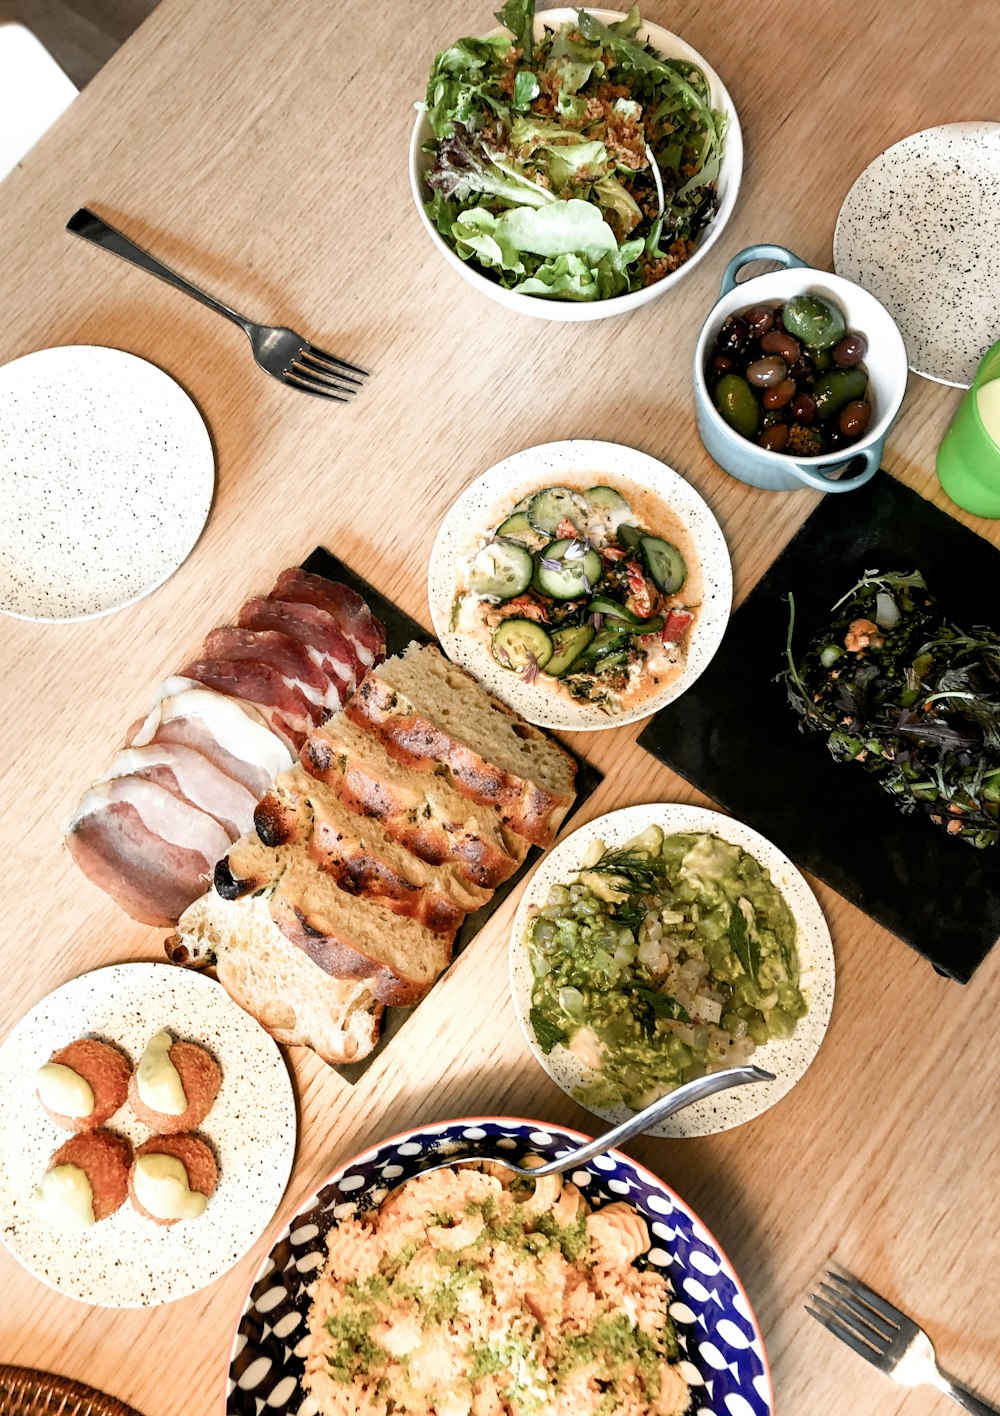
x: 285, y: 707
x: 289, y: 656
x: 345, y: 605
x: 232, y: 734
x: 151, y: 850
x: 194, y: 777
x: 317, y: 630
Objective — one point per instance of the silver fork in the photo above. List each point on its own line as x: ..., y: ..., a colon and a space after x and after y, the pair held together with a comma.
x: 280, y: 352
x: 887, y: 1338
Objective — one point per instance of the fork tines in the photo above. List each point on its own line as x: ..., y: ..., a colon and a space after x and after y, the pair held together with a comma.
x: 859, y: 1317
x: 321, y: 374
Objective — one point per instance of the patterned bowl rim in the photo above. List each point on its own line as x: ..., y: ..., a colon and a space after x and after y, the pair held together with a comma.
x: 527, y: 1122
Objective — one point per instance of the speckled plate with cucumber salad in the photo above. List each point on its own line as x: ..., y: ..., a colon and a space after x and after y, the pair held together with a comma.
x: 585, y: 583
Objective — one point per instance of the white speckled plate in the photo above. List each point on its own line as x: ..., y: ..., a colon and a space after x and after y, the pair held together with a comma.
x: 126, y: 1261
x: 920, y: 230
x: 107, y: 472
x: 787, y: 1058
x: 490, y: 497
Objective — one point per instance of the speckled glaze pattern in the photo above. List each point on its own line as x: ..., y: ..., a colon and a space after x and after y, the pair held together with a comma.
x: 483, y: 503
x: 723, y: 1355
x: 127, y: 1261
x: 920, y: 230
x: 107, y: 473
x: 787, y: 1058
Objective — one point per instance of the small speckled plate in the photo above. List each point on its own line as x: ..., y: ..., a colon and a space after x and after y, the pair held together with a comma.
x: 127, y: 1261
x: 107, y: 472
x: 486, y: 500
x: 920, y: 230
x: 787, y: 1058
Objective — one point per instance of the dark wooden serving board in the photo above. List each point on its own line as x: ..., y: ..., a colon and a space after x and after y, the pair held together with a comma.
x: 735, y: 737
x: 401, y: 630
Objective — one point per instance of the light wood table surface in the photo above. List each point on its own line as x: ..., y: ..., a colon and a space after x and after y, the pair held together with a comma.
x: 261, y: 148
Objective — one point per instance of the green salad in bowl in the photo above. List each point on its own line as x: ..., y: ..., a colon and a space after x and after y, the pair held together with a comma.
x: 576, y: 157
x: 681, y: 949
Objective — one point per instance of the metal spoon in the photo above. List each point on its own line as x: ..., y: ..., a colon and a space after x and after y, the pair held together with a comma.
x: 668, y: 1105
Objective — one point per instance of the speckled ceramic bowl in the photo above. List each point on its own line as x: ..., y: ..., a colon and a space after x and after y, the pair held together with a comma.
x: 723, y: 1351
x: 490, y: 497
x: 788, y: 1058
x: 730, y: 173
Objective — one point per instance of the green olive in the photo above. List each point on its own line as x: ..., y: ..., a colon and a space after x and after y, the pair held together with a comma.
x: 833, y: 390
x: 814, y: 321
x: 736, y: 403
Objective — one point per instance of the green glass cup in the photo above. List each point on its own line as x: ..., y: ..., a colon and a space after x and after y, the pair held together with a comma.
x: 968, y: 460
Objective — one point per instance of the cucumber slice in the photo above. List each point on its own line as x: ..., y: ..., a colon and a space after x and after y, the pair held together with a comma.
x: 522, y: 505
x: 554, y: 504
x: 664, y: 563
x: 604, y: 605
x: 605, y: 645
x: 572, y: 577
x: 607, y: 499
x: 518, y: 642
x: 501, y: 570
x: 567, y: 646
x: 517, y: 524
x: 629, y: 536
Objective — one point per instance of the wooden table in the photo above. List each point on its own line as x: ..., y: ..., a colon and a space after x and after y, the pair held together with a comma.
x: 261, y: 149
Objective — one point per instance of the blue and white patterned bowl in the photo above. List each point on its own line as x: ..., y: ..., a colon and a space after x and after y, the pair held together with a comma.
x: 723, y: 1352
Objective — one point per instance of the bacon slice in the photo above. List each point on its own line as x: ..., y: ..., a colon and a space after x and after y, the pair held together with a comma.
x: 194, y: 777
x: 150, y: 850
x: 317, y: 630
x: 290, y: 657
x: 344, y: 604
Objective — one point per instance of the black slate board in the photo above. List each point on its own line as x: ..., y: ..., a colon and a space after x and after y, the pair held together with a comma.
x: 735, y: 737
x: 401, y: 630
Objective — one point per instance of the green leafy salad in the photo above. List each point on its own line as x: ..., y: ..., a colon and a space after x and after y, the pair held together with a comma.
x: 577, y: 166
x: 667, y: 958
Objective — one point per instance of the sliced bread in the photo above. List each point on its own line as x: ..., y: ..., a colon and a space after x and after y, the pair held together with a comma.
x: 430, y: 713
x: 356, y: 938
x: 421, y: 810
x: 360, y: 855
x: 274, y: 981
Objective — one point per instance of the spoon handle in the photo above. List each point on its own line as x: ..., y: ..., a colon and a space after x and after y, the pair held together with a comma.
x: 668, y: 1105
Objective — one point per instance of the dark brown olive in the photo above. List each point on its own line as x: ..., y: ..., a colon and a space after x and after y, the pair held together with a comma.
x: 734, y: 336
x: 850, y: 351
x: 774, y: 438
x: 777, y: 341
x: 760, y: 319
x: 722, y: 364
x: 803, y: 407
x: 778, y: 396
x: 854, y: 418
x: 766, y: 373
x: 803, y: 370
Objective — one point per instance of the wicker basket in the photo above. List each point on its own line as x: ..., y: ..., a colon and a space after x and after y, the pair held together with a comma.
x: 25, y: 1392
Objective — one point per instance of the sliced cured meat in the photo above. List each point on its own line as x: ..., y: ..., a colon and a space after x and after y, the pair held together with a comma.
x: 289, y: 656
x: 233, y: 734
x: 285, y: 708
x: 316, y: 629
x: 191, y: 775
x: 150, y: 850
x: 346, y: 605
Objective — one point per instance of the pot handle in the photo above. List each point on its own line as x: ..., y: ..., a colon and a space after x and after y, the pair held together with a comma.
x: 781, y: 254
x: 813, y: 477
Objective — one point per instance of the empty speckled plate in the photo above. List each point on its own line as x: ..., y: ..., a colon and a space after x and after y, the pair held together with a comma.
x: 920, y: 230
x: 667, y: 505
x: 127, y: 1261
x: 107, y: 473
x: 787, y: 1058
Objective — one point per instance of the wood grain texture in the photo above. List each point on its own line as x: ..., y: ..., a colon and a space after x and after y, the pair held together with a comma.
x: 260, y: 148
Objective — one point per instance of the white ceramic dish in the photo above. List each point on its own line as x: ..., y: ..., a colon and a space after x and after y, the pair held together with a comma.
x: 488, y: 498
x: 787, y: 1058
x: 669, y: 45
x: 126, y: 1261
x: 107, y: 472
x: 920, y: 230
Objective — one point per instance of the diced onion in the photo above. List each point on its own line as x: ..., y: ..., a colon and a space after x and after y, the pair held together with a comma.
x: 886, y: 611
x: 571, y: 1001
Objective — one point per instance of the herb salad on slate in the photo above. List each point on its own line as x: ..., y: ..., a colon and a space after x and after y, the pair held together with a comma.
x: 577, y: 166
x: 899, y: 688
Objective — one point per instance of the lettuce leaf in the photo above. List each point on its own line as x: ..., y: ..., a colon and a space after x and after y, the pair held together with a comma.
x: 478, y: 232
x: 464, y: 168
x: 519, y: 17
x: 462, y: 84
x: 565, y: 277
x: 563, y: 227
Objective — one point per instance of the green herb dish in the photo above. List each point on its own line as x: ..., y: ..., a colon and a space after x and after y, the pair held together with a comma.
x: 575, y: 157
x: 666, y: 955
x: 911, y: 697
